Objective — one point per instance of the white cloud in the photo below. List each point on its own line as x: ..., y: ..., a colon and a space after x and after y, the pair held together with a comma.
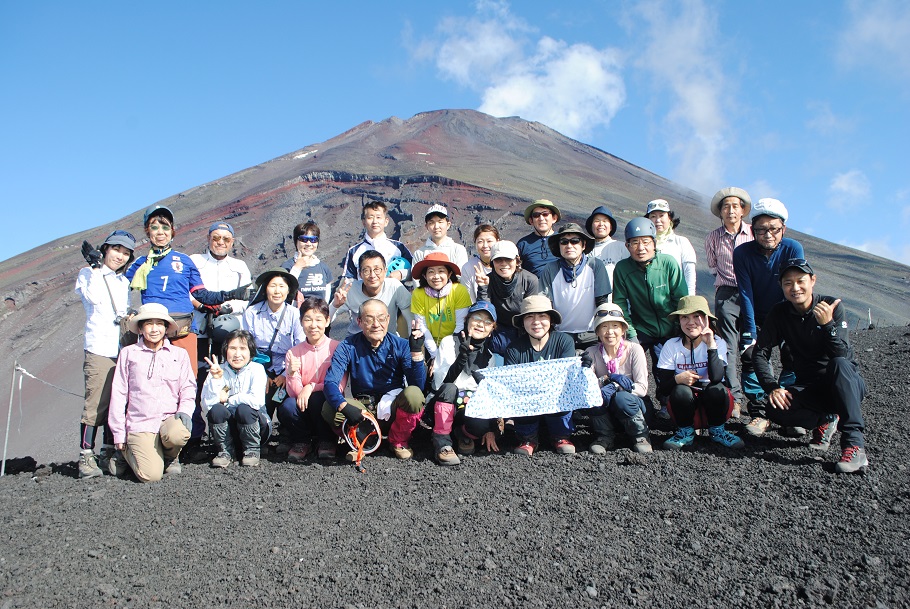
x: 572, y: 88
x: 824, y: 121
x: 761, y: 188
x: 876, y: 37
x: 679, y: 53
x: 882, y: 247
x: 849, y: 190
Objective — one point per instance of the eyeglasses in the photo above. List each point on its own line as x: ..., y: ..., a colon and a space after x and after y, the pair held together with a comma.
x: 369, y: 320
x: 221, y: 239
x: 571, y: 241
x: 161, y: 227
x: 765, y: 231
x: 376, y: 270
x: 538, y: 214
x: 609, y: 313
x: 480, y: 321
x: 308, y: 239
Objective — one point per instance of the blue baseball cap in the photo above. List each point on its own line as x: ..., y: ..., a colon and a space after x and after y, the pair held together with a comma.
x: 221, y: 226
x: 483, y: 305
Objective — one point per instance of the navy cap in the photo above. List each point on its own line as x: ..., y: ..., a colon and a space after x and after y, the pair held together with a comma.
x: 483, y: 305
x: 121, y: 237
x: 221, y: 226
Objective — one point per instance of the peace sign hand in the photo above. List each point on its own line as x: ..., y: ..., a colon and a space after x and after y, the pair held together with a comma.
x: 480, y: 275
x: 215, y: 370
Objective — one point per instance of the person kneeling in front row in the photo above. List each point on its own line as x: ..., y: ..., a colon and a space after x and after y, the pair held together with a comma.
x: 152, y: 399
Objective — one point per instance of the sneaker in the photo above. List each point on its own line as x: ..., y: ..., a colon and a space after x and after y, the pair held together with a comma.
x: 326, y: 450
x: 601, y: 445
x: 117, y: 465
x: 222, y: 460
x: 525, y: 448
x: 564, y: 447
x: 642, y: 445
x: 853, y: 459
x: 88, y: 465
x: 721, y: 436
x: 684, y: 436
x: 250, y: 460
x: 465, y: 445
x: 299, y: 452
x: 283, y: 448
x: 821, y: 435
x: 402, y: 452
x: 173, y: 467
x: 793, y: 432
x: 447, y: 456
x: 758, y: 426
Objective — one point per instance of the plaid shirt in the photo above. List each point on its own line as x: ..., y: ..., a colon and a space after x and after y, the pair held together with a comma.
x: 719, y: 246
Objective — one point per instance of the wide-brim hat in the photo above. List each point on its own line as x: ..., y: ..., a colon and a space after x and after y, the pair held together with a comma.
x: 263, y: 281
x: 434, y: 259
x: 536, y: 303
x: 691, y: 304
x: 541, y: 203
x: 152, y: 310
x: 731, y: 191
x: 603, y: 211
x: 609, y: 311
x: 571, y: 227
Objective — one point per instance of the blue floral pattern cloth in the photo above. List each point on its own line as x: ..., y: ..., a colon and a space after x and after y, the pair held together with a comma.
x: 536, y: 388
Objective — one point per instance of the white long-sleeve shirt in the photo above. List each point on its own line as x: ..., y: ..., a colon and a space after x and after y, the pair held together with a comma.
x: 102, y: 335
x: 246, y: 386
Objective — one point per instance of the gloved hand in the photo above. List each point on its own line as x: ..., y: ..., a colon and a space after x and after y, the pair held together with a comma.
x: 465, y: 347
x: 745, y: 341
x: 236, y: 293
x: 416, y: 344
x: 185, y: 419
x: 91, y: 255
x: 477, y: 375
x: 587, y: 360
x: 215, y: 310
x: 624, y: 382
x: 352, y: 414
x: 608, y: 391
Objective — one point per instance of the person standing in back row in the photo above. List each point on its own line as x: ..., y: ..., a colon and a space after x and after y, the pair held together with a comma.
x: 438, y: 224
x: 668, y: 242
x: 375, y: 217
x: 756, y: 264
x: 730, y: 205
x: 534, y: 248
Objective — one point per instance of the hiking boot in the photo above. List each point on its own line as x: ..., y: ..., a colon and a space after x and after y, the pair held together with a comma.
x: 525, y: 448
x: 564, y: 447
x: 447, y: 456
x: 758, y: 426
x: 465, y: 445
x: 853, y: 459
x: 793, y: 432
x: 725, y: 438
x: 821, y: 435
x: 222, y: 460
x: 601, y: 445
x: 104, y: 459
x: 642, y: 445
x: 684, y: 436
x: 88, y: 465
x: 250, y: 459
x: 326, y: 450
x: 173, y: 467
x: 117, y: 465
x: 299, y: 452
x: 402, y: 452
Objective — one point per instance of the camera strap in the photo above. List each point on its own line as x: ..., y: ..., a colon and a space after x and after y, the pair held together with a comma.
x: 110, y: 294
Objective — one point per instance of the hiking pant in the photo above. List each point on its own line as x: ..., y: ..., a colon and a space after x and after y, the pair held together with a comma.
x: 99, y: 375
x: 147, y: 453
x: 252, y: 425
x: 700, y: 408
x: 726, y: 308
x: 301, y: 427
x: 559, y: 425
x: 839, y: 391
x: 406, y: 410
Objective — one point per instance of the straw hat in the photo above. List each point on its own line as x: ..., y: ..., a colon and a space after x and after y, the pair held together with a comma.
x: 152, y: 310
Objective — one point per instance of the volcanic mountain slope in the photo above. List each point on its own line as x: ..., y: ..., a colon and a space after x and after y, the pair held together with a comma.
x: 484, y: 168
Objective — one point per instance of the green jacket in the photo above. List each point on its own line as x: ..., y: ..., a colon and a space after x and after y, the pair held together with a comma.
x: 646, y: 296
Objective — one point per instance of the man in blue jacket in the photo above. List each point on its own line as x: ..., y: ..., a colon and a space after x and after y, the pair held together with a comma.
x: 756, y: 264
x: 377, y: 365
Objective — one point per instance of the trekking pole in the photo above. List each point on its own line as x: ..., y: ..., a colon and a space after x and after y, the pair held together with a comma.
x: 9, y: 415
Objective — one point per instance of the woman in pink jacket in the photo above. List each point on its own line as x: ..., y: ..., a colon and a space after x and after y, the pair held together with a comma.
x: 306, y: 363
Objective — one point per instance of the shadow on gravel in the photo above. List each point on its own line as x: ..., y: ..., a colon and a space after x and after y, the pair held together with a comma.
x: 20, y: 465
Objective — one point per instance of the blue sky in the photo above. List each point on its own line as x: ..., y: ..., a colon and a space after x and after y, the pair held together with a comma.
x: 111, y: 106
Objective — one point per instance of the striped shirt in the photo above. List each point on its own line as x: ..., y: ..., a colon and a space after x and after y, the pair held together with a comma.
x: 719, y: 246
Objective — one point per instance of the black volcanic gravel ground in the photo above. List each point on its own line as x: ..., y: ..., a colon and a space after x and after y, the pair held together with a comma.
x: 772, y: 526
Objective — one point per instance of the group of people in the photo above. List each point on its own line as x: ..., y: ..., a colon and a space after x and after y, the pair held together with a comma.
x: 206, y: 348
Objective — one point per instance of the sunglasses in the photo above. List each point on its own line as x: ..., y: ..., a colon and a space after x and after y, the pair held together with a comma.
x: 221, y: 239
x: 570, y: 241
x: 161, y: 227
x: 601, y: 314
x: 538, y: 214
x: 308, y: 239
